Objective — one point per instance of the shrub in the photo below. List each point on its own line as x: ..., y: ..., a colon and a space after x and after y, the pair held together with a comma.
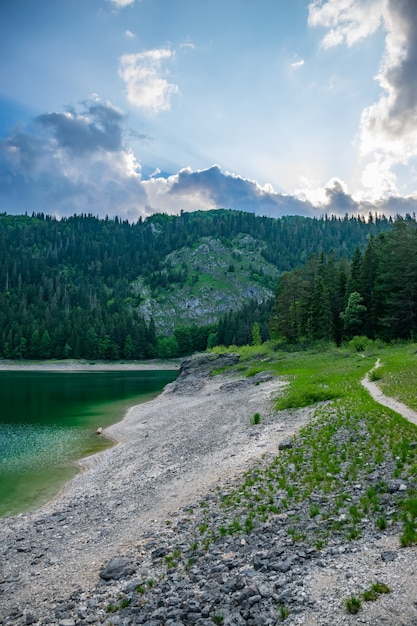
x: 360, y: 343
x: 255, y: 419
x: 353, y: 604
x: 375, y: 374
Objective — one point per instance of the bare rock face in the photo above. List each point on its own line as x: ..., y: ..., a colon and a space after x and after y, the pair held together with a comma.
x: 196, y: 369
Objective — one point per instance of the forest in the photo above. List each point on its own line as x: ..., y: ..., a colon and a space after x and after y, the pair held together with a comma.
x: 372, y: 295
x: 67, y: 287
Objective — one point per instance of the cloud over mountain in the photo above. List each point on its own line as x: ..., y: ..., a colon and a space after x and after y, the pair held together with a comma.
x: 97, y: 127
x: 80, y: 160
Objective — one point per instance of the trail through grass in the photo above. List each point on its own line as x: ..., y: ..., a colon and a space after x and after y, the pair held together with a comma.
x: 398, y: 373
x: 330, y: 471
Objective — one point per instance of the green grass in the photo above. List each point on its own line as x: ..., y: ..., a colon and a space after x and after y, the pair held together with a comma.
x: 400, y: 373
x: 255, y: 419
x: 374, y: 591
x: 315, y: 378
x: 353, y: 604
x: 409, y: 534
x: 122, y: 604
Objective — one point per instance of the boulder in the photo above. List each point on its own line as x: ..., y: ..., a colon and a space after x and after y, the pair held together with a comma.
x: 117, y: 568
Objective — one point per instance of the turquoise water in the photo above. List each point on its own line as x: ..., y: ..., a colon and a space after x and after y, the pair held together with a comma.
x: 49, y: 419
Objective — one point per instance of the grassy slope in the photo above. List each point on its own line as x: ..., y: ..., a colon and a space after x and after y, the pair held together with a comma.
x: 350, y: 441
x: 399, y: 373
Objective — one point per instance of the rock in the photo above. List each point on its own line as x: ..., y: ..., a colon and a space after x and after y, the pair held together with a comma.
x: 286, y: 444
x: 394, y: 485
x: 159, y: 553
x: 99, y: 431
x: 262, y: 377
x: 117, y: 568
x: 196, y: 368
x: 388, y: 555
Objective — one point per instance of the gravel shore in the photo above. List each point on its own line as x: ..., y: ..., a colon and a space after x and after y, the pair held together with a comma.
x: 121, y: 544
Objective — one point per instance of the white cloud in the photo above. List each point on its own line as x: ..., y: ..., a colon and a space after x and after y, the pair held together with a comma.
x: 311, y: 191
x: 378, y: 178
x: 161, y: 199
x: 347, y: 21
x: 129, y: 35
x: 188, y: 44
x: 295, y: 65
x: 146, y: 87
x: 120, y: 4
x: 388, y: 127
x: 388, y: 131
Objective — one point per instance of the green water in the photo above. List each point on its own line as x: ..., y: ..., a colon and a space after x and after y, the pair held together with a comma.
x: 49, y: 419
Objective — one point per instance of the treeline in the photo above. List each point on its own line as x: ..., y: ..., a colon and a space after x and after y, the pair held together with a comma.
x: 236, y: 328
x: 374, y: 294
x: 67, y: 287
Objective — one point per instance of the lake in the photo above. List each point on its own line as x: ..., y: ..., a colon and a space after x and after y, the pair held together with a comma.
x: 48, y: 420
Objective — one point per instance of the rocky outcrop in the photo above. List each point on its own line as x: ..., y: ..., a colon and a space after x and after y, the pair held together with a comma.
x: 196, y: 369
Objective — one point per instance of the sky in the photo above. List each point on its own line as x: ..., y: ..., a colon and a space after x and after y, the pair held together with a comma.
x: 132, y: 107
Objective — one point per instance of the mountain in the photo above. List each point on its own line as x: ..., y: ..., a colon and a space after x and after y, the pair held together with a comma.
x: 93, y: 288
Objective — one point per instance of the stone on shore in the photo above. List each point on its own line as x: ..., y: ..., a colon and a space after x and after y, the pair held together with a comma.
x: 118, y: 567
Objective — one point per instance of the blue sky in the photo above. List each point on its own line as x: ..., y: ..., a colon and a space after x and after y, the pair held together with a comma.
x: 130, y: 107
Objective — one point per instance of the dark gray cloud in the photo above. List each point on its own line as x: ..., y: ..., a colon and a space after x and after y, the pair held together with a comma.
x: 394, y: 205
x: 71, y: 162
x: 21, y: 152
x: 97, y: 127
x: 401, y: 73
x: 227, y: 191
x: 338, y: 201
x: 91, y: 172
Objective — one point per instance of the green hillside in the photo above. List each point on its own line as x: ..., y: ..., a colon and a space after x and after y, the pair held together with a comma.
x: 84, y: 287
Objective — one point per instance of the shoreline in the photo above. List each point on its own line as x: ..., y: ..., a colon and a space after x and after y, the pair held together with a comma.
x: 46, y: 491
x: 80, y: 365
x: 170, y: 450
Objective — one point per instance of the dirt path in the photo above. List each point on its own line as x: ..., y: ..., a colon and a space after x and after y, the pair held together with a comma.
x: 390, y: 403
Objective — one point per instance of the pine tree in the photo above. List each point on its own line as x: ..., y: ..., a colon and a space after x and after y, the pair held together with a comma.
x: 256, y: 335
x: 353, y: 316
